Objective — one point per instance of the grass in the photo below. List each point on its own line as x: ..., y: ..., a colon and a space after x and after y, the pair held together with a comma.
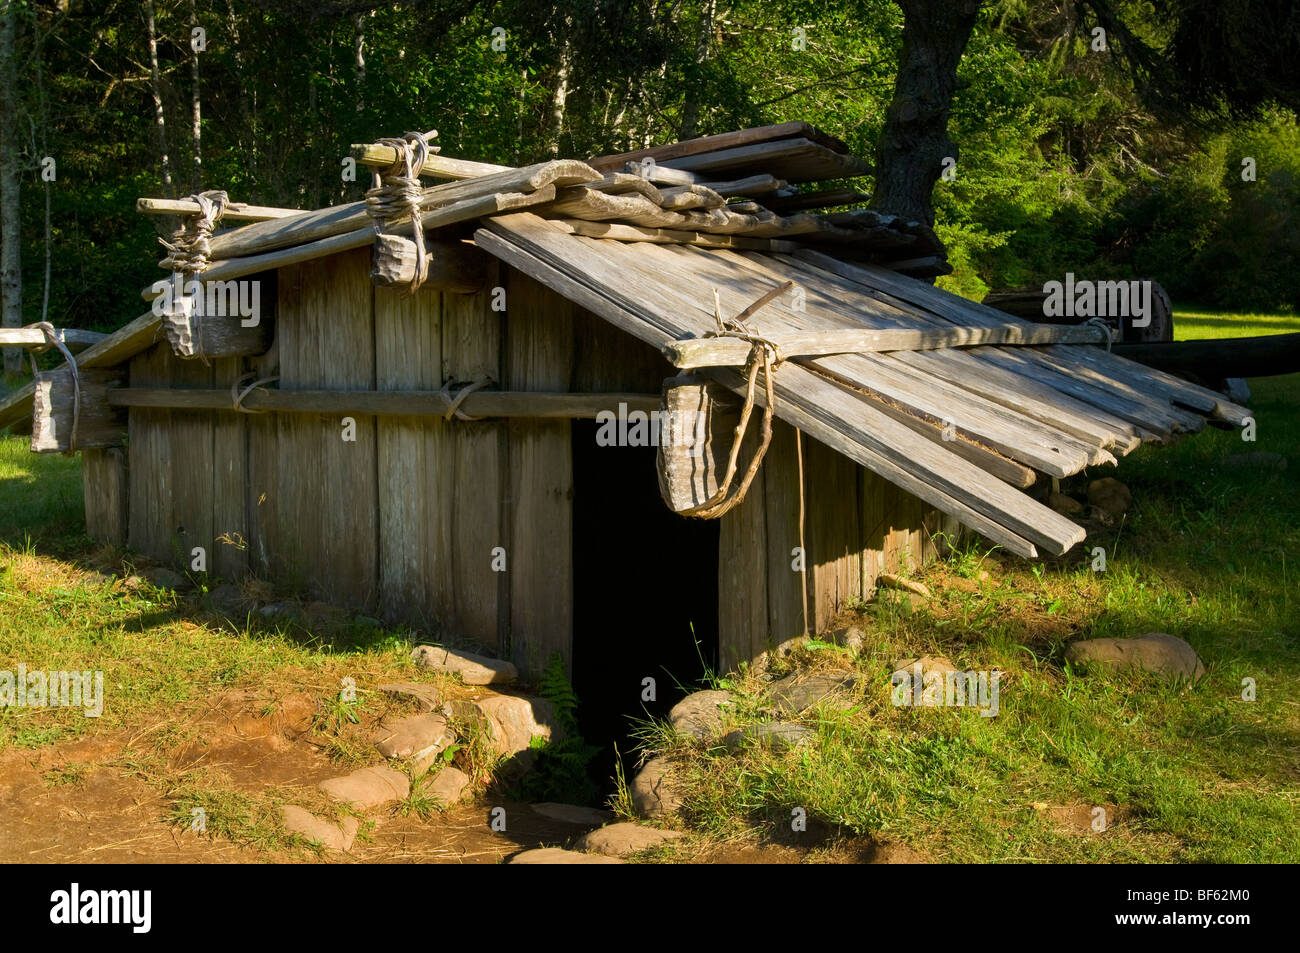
x: 1192, y: 774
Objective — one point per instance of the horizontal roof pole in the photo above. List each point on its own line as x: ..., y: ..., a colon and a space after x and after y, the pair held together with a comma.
x: 730, y: 351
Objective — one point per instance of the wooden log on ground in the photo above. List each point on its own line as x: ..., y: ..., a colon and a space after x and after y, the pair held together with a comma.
x: 99, y: 424
x: 1029, y: 304
x: 1217, y: 358
x: 697, y: 425
x: 411, y: 403
x: 73, y: 338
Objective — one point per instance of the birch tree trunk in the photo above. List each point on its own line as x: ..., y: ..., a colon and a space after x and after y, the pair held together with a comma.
x: 11, y: 274
x: 196, y: 131
x: 155, y: 87
x: 359, y: 57
x: 561, y: 97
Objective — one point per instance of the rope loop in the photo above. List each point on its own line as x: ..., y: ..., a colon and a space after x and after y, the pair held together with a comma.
x: 453, y: 410
x: 395, y: 194
x: 1101, y: 324
x: 237, y: 396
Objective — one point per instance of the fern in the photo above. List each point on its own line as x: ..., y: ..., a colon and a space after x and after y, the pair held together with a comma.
x: 561, y: 771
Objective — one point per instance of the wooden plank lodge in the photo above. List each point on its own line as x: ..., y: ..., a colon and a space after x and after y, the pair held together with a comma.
x: 434, y: 405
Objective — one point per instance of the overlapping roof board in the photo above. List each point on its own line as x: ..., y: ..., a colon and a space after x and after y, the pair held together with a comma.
x: 1054, y: 409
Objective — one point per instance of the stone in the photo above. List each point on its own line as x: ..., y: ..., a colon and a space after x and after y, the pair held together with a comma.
x: 161, y: 578
x: 426, y: 696
x: 623, y: 839
x: 279, y: 612
x: 557, y: 855
x: 369, y: 787
x: 851, y: 638
x: 655, y: 793
x: 1236, y: 390
x: 700, y: 714
x: 514, y: 720
x: 1110, y: 496
x: 228, y: 599
x: 889, y: 580
x: 572, y: 813
x: 774, y: 735
x: 799, y: 692
x: 472, y: 669
x: 446, y: 786
x: 418, y: 737
x: 1260, y: 459
x: 1157, y: 652
x: 1065, y: 505
x: 331, y: 836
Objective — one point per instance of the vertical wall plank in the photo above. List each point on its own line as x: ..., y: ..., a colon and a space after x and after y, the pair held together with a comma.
x: 743, y: 569
x: 106, y: 488
x: 190, y: 459
x: 338, y: 304
x: 834, y: 537
x: 148, y: 456
x: 408, y: 356
x: 470, y: 473
x: 539, y: 357
x: 781, y: 496
x: 228, y: 556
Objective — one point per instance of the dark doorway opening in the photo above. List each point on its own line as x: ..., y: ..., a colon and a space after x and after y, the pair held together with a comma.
x: 645, y: 590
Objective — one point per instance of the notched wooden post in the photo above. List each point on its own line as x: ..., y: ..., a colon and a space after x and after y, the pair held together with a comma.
x: 99, y: 424
x: 697, y: 425
x: 236, y: 318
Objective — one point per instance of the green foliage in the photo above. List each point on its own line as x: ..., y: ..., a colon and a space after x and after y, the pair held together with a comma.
x: 561, y: 770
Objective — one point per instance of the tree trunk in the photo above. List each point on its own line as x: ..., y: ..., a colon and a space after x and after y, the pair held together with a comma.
x: 155, y: 87
x: 11, y: 272
x: 561, y: 96
x: 359, y: 56
x: 914, y: 142
x: 195, y: 111
x: 691, y: 109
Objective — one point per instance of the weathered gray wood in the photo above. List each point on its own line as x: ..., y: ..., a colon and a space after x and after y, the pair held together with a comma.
x: 723, y: 140
x: 446, y: 215
x: 105, y: 487
x: 408, y: 357
x: 404, y: 403
x: 696, y: 433
x: 148, y: 461
x: 229, y: 555
x: 195, y: 334
x: 189, y: 464
x: 114, y: 349
x: 235, y: 211
x: 796, y: 160
x: 474, y: 479
x: 834, y: 534
x: 816, y: 406
x: 743, y: 572
x: 98, y: 423
x: 305, y: 227
x: 781, y: 475
x: 669, y: 236
x: 539, y: 517
x: 734, y: 352
x: 74, y: 338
